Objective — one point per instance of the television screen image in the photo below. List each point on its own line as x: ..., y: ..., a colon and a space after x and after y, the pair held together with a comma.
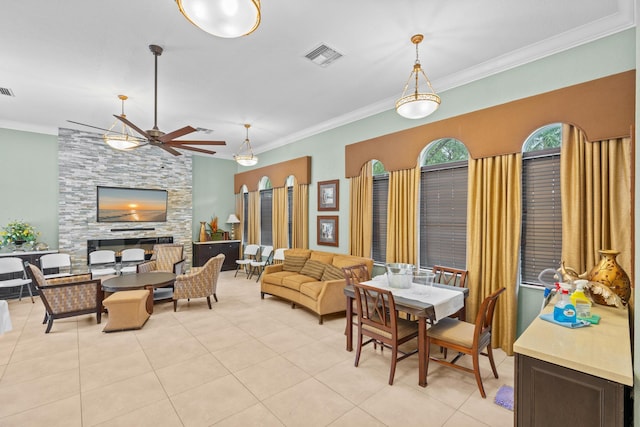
x: 131, y: 205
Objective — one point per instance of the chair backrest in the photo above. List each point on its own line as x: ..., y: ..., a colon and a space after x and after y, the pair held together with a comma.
x: 250, y: 251
x: 55, y: 261
x: 157, y: 246
x: 485, y: 315
x: 38, y: 276
x: 102, y: 257
x: 356, y: 274
x: 266, y: 254
x: 132, y: 254
x: 215, y: 265
x: 11, y: 265
x: 278, y: 255
x: 450, y: 276
x: 376, y: 309
x: 167, y: 256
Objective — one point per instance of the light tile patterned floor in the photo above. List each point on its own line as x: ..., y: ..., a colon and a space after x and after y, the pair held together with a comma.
x: 247, y: 362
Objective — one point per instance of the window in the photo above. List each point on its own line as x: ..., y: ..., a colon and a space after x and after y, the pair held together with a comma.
x: 541, y: 245
x: 443, y: 204
x: 380, y: 197
x: 266, y: 212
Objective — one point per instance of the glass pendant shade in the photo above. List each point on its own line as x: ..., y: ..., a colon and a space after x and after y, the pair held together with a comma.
x: 123, y: 140
x: 417, y: 105
x: 222, y: 18
x: 245, y: 156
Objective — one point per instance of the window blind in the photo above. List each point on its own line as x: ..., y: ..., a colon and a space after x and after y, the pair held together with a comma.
x: 541, y: 245
x: 380, y: 197
x: 266, y: 212
x: 443, y: 215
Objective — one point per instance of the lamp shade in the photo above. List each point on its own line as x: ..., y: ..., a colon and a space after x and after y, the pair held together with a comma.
x: 233, y: 219
x: 222, y: 18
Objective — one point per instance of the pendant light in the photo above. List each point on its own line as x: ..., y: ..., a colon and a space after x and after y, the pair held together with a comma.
x: 124, y: 140
x: 417, y: 105
x: 245, y: 155
x: 222, y: 18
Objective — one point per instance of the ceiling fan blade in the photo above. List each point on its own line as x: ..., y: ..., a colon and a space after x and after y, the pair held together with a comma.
x: 199, y: 150
x: 169, y: 149
x: 89, y: 126
x: 132, y: 126
x: 181, y: 142
x: 176, y: 133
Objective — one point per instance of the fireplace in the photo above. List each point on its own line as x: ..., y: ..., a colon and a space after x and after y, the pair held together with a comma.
x: 118, y: 245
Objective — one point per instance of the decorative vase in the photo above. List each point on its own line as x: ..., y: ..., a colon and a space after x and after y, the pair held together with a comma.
x: 19, y: 245
x: 609, y: 273
x: 203, y: 232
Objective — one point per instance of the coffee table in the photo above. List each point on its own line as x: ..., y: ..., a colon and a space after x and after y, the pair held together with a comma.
x: 150, y: 280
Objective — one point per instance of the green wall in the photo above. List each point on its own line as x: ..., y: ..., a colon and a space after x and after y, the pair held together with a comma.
x: 212, y: 191
x: 29, y: 184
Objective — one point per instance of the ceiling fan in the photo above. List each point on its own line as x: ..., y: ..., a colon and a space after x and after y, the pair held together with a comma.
x: 166, y: 141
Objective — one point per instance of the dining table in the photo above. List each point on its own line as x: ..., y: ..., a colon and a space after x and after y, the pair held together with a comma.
x: 436, y: 303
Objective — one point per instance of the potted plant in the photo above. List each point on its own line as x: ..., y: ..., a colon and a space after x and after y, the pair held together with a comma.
x: 19, y: 234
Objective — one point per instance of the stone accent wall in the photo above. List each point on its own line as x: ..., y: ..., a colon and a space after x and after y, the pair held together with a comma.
x: 85, y: 162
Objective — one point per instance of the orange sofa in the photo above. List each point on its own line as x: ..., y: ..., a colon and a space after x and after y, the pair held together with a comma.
x: 312, y: 279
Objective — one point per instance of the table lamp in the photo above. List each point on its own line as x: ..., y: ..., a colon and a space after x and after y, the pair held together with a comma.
x: 233, y: 220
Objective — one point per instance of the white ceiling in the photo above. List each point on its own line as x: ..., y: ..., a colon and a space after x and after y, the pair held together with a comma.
x: 68, y: 60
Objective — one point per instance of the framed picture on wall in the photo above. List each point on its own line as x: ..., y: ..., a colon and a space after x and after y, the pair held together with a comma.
x: 328, y: 197
x: 327, y: 230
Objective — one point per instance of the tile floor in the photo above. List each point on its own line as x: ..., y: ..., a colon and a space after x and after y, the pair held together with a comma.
x: 247, y: 362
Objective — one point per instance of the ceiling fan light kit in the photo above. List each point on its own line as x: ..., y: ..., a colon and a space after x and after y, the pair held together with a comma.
x: 417, y: 105
x: 245, y: 156
x: 124, y: 140
x: 222, y: 18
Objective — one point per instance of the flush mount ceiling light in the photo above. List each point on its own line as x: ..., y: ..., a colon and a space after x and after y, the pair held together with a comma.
x: 417, y: 105
x: 222, y: 18
x: 245, y: 155
x: 121, y: 140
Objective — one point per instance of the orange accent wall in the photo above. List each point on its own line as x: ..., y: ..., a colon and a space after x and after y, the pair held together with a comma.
x: 603, y: 108
x: 277, y: 173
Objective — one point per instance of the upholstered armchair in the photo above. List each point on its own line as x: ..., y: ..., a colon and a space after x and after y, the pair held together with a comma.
x: 166, y: 257
x: 68, y: 296
x: 200, y: 282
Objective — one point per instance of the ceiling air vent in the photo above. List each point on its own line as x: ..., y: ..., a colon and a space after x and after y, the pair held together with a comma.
x: 323, y: 55
x: 6, y: 91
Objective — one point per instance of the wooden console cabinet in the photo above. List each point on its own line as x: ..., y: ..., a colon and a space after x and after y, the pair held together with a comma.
x: 202, y: 251
x: 574, y: 377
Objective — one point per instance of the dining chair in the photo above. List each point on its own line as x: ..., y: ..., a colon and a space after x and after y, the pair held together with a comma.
x: 452, y: 277
x: 355, y: 274
x: 265, y: 259
x: 200, y: 282
x: 68, y: 296
x: 250, y: 253
x: 129, y: 260
x: 102, y: 263
x: 466, y: 338
x: 62, y: 262
x: 14, y: 268
x: 378, y: 320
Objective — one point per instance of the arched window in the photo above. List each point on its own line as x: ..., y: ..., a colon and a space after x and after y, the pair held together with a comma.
x: 443, y: 204
x: 541, y: 241
x: 380, y: 197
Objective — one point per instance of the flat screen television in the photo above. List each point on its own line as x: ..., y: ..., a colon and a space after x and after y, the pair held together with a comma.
x: 116, y: 204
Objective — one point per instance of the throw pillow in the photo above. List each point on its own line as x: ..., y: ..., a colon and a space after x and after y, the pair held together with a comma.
x: 331, y: 272
x: 293, y: 263
x: 313, y: 268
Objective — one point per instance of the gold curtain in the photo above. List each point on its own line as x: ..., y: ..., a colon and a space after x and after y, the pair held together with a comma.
x: 402, y: 211
x: 595, y: 179
x: 280, y: 218
x: 300, y: 224
x: 493, y: 242
x: 239, y: 228
x: 361, y: 212
x: 254, y: 218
